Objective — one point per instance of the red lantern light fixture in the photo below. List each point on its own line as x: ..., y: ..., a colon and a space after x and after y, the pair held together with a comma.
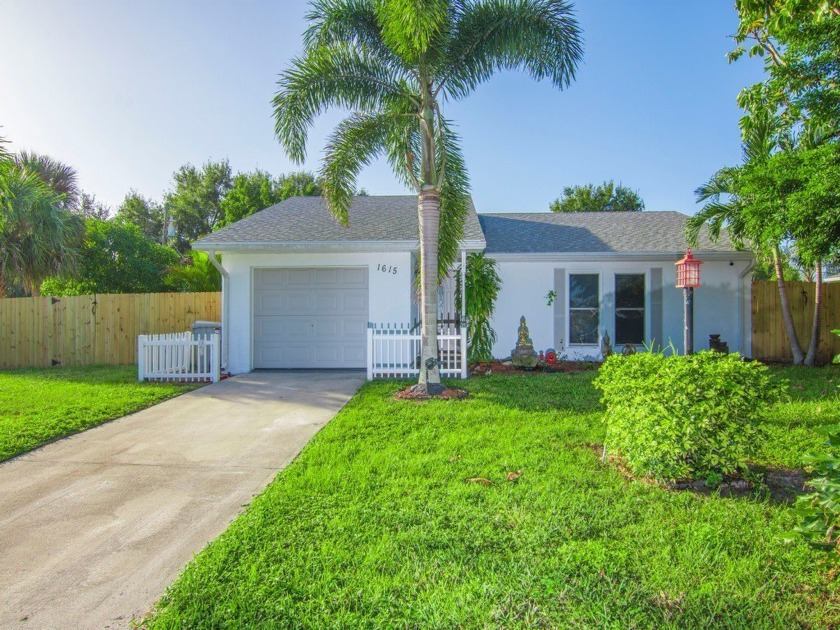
x: 688, y: 271
x: 688, y: 277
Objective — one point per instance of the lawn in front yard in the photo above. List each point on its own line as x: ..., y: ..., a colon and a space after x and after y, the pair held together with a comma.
x: 495, y: 512
x: 41, y: 405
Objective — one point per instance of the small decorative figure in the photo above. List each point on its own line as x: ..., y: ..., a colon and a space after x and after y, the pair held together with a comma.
x: 551, y: 356
x: 524, y: 355
x: 606, y: 345
x: 628, y: 349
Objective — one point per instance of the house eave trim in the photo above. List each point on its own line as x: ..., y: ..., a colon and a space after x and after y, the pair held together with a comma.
x: 614, y: 256
x: 318, y: 247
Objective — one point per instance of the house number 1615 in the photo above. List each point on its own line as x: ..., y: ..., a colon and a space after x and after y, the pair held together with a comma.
x: 386, y: 268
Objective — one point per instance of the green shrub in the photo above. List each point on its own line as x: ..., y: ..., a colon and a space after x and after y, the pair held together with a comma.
x: 820, y: 510
x: 685, y: 417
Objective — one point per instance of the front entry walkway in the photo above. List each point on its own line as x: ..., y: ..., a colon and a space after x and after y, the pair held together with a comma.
x: 94, y: 527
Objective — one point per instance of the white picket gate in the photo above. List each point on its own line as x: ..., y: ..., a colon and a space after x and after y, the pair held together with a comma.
x: 394, y: 351
x: 178, y: 357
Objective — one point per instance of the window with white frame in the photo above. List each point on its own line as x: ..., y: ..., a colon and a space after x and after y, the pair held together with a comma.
x: 630, y: 308
x: 584, y: 305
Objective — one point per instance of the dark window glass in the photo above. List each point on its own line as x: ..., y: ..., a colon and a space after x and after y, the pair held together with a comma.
x: 629, y: 309
x: 583, y: 309
x: 583, y: 290
x: 630, y: 290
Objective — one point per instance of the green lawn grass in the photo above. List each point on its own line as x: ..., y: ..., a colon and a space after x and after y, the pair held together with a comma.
x: 41, y: 405
x: 375, y: 525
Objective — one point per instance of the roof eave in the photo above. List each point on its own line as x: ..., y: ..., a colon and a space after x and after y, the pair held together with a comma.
x: 318, y: 247
x: 710, y: 255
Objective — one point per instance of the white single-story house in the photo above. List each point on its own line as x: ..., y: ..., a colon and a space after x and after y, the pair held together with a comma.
x: 300, y: 290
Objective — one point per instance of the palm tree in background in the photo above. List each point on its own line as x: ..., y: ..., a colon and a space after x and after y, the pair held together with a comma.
x: 60, y: 177
x: 39, y: 237
x: 392, y: 63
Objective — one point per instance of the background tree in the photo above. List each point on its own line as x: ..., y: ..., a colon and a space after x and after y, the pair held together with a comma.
x: 606, y: 197
x: 60, y: 177
x: 91, y: 208
x: 144, y: 213
x: 257, y: 190
x: 195, y: 203
x: 194, y: 272
x: 116, y: 257
x: 393, y: 64
x: 38, y: 236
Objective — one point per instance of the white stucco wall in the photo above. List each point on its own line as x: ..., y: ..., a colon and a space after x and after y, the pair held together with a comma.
x: 389, y: 293
x: 719, y: 307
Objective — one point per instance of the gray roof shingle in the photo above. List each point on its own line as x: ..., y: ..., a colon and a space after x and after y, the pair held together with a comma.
x: 592, y: 232
x: 307, y: 220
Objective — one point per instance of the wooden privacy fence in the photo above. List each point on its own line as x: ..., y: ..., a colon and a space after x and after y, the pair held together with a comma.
x: 94, y: 329
x: 769, y: 342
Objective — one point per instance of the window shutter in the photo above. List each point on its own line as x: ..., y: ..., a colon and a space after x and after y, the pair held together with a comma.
x: 560, y: 310
x: 656, y: 307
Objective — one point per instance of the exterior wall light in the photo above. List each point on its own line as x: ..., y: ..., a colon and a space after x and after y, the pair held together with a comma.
x: 688, y: 277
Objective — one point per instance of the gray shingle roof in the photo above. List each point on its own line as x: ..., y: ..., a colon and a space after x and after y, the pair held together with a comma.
x: 592, y: 232
x: 307, y: 220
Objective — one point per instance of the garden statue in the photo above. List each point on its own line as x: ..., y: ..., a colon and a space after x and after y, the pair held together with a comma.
x: 523, y: 354
x: 606, y: 345
x: 628, y: 349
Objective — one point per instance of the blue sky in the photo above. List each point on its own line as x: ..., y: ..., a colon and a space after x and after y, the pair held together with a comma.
x: 128, y: 91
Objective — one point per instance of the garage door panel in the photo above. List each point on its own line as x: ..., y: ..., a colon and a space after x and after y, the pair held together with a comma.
x: 310, y: 317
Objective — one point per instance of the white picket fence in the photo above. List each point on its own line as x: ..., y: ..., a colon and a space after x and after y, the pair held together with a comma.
x: 178, y: 357
x: 393, y: 351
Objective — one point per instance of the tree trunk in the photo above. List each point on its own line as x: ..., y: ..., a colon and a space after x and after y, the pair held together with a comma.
x: 787, y: 315
x: 813, y: 345
x: 429, y: 215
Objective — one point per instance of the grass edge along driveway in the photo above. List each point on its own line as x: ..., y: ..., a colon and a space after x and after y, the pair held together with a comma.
x: 38, y: 406
x: 376, y: 525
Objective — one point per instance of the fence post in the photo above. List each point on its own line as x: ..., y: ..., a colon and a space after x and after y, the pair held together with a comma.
x: 369, y: 352
x: 141, y: 358
x: 463, y: 333
x: 215, y: 357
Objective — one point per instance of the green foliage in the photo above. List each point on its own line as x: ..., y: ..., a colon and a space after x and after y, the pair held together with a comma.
x: 606, y: 197
x: 38, y: 236
x: 115, y: 258
x: 145, y: 213
x: 41, y: 405
x: 257, y: 190
x: 819, y: 511
x: 685, y: 417
x: 483, y: 285
x: 61, y: 178
x: 800, y: 42
x: 195, y: 272
x: 195, y: 203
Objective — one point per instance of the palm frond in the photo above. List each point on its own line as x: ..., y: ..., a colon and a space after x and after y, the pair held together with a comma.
x: 355, y: 143
x: 541, y: 37
x: 454, y: 197
x: 338, y: 75
x: 60, y: 177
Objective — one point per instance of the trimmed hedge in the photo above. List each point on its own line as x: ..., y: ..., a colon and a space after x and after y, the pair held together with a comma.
x: 685, y: 417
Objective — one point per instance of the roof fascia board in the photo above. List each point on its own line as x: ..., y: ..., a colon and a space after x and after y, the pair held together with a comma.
x: 614, y: 256
x: 323, y: 246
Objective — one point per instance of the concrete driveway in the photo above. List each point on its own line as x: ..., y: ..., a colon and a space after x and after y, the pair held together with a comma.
x: 94, y: 527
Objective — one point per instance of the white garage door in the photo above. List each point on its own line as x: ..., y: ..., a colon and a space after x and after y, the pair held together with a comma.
x: 310, y: 318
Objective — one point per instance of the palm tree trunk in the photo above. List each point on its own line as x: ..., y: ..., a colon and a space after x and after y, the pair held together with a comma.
x: 787, y: 315
x: 813, y: 345
x: 429, y: 215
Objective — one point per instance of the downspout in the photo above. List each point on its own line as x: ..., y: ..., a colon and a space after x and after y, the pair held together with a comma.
x: 225, y: 309
x: 742, y: 324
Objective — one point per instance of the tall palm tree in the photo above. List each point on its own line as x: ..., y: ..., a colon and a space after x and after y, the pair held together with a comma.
x: 38, y: 237
x: 393, y: 63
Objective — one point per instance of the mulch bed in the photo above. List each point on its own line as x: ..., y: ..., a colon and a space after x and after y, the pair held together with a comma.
x: 448, y: 393
x: 783, y: 485
x: 503, y: 367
